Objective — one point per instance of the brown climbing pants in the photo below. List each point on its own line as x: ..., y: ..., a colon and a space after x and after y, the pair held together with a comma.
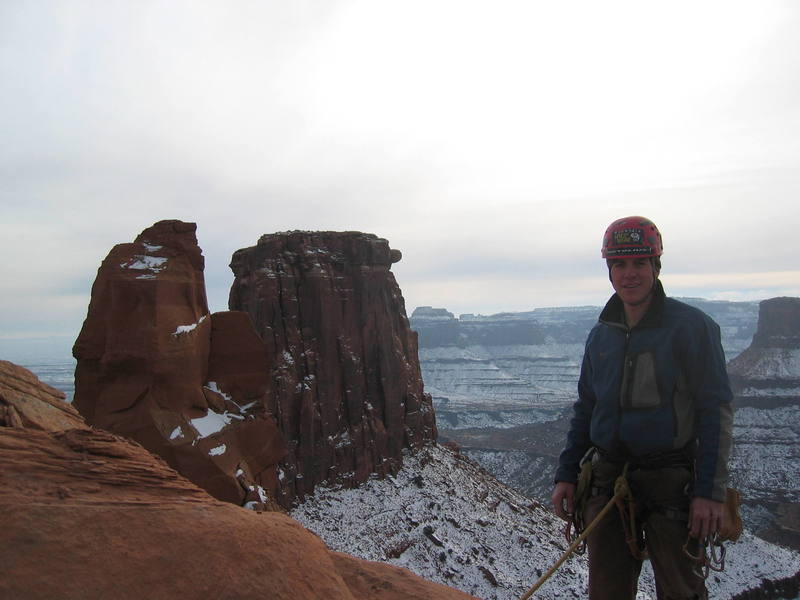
x: 662, y: 508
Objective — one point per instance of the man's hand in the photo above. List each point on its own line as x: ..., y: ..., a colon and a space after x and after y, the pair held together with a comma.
x: 564, y: 499
x: 706, y: 517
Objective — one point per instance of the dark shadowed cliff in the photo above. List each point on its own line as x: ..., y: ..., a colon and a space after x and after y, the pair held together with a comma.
x: 347, y: 390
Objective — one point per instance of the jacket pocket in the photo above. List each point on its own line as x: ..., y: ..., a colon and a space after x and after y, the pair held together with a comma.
x: 639, y: 382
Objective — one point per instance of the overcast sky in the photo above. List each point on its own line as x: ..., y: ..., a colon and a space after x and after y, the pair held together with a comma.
x: 490, y: 142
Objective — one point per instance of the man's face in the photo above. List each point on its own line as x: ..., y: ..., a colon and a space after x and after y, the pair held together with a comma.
x: 632, y: 279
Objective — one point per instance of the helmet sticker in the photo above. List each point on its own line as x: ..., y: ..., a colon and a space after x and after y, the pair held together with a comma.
x: 623, y: 237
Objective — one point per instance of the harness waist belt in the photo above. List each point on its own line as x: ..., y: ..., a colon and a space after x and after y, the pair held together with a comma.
x: 654, y: 460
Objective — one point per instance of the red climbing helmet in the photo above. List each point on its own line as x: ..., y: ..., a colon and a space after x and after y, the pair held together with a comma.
x: 632, y: 236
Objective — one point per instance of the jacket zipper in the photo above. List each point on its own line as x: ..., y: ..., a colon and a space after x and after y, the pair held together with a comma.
x: 627, y: 374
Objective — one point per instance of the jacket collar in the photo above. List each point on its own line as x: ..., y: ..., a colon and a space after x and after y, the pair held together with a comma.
x: 614, y: 313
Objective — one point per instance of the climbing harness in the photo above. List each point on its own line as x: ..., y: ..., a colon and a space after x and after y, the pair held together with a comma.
x: 711, y: 555
x: 621, y: 489
x: 626, y: 504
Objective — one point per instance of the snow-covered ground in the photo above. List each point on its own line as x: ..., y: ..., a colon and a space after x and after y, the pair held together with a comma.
x: 771, y: 364
x: 766, y: 453
x: 500, y: 386
x: 448, y: 520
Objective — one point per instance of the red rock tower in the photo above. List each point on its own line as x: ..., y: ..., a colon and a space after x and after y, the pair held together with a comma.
x: 155, y: 366
x: 769, y: 369
x: 346, y: 385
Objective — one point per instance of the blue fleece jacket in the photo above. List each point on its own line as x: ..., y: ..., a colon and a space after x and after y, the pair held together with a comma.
x: 658, y: 387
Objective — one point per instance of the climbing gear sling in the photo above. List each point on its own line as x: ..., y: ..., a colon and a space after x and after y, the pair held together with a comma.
x: 621, y: 489
x: 711, y: 551
x: 575, y: 524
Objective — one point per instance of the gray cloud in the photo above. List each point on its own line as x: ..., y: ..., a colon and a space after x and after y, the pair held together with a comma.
x: 492, y: 150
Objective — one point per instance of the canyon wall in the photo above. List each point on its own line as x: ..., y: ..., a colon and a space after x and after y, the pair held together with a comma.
x: 770, y: 367
x: 765, y: 462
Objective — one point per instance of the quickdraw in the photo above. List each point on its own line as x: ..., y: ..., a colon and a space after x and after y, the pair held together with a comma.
x: 572, y: 531
x: 710, y: 555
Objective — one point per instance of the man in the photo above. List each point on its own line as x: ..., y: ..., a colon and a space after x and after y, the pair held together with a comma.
x: 653, y: 394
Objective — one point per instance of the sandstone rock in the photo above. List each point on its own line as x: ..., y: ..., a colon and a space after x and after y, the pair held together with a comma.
x: 145, y: 340
x: 765, y: 379
x: 778, y: 324
x: 386, y: 582
x: 318, y: 338
x: 238, y: 359
x: 154, y: 366
x: 347, y: 390
x: 85, y: 514
x: 772, y: 361
x: 27, y: 402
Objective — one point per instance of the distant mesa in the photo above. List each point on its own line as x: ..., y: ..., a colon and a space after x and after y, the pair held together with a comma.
x: 778, y: 324
x: 312, y: 376
x: 770, y: 367
x: 438, y: 327
x: 428, y: 313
